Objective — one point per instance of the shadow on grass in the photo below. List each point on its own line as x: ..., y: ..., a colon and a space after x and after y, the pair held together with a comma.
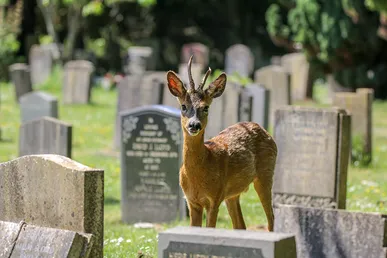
x: 111, y: 201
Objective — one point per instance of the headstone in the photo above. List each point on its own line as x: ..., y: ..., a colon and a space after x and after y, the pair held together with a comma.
x: 231, y: 98
x: 22, y: 240
x: 260, y: 104
x: 136, y: 91
x: 197, y: 73
x: 322, y: 233
x: 140, y: 59
x: 150, y: 163
x: 277, y: 81
x: 359, y: 105
x: 45, y: 135
x: 40, y: 59
x: 313, y: 154
x: 56, y: 192
x: 245, y: 105
x: 187, y: 242
x: 198, y: 50
x: 275, y: 60
x: 297, y: 66
x: 215, y: 118
x: 334, y: 87
x: 37, y: 104
x: 20, y: 77
x: 77, y: 82
x: 239, y: 59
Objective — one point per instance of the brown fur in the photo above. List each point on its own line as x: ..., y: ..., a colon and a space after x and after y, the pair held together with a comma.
x: 223, y: 167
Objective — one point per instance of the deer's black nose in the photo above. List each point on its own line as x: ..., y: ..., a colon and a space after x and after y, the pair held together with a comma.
x: 195, y: 126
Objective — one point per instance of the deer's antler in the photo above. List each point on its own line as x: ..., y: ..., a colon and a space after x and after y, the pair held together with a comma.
x: 201, y: 85
x: 191, y: 81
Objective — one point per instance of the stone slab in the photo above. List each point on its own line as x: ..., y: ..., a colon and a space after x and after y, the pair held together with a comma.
x: 298, y: 67
x: 209, y: 242
x: 40, y: 62
x: 260, y: 104
x: 20, y: 77
x: 239, y: 59
x: 198, y: 50
x: 77, y: 80
x: 38, y: 104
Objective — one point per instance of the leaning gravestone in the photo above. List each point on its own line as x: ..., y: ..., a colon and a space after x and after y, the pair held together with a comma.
x: 323, y: 233
x: 45, y: 135
x: 150, y: 163
x: 297, y: 66
x: 20, y: 77
x: 359, y: 105
x: 140, y: 59
x: 37, y: 104
x: 136, y: 91
x: 277, y: 81
x: 209, y: 242
x: 239, y: 59
x: 198, y: 50
x: 260, y: 104
x: 77, y: 82
x: 40, y: 59
x: 56, y: 192
x: 313, y: 154
x: 22, y: 240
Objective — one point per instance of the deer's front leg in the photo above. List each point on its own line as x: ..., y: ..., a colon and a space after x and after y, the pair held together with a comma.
x: 212, y: 215
x: 195, y: 215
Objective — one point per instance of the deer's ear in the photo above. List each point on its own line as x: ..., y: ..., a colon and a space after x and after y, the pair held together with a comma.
x: 217, y: 87
x: 175, y: 85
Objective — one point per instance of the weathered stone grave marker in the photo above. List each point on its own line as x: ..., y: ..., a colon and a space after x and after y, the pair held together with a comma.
x: 298, y: 67
x: 334, y: 87
x: 359, y: 105
x: 45, y: 135
x: 53, y: 191
x: 198, y: 50
x: 240, y: 59
x: 260, y: 104
x: 313, y: 153
x: 37, y: 104
x: 140, y: 59
x: 323, y: 233
x: 231, y: 101
x: 77, y: 82
x: 215, y: 118
x: 40, y: 59
x: 197, y: 72
x: 150, y: 163
x: 136, y: 91
x: 209, y: 242
x: 22, y: 240
x: 277, y: 81
x: 20, y: 77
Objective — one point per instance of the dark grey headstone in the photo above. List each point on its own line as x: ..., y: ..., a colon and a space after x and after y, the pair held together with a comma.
x: 313, y: 153
x: 260, y: 104
x: 150, y: 163
x: 77, y: 82
x: 42, y: 242
x: 140, y: 59
x: 198, y: 50
x: 37, y: 104
x: 40, y: 59
x: 20, y: 77
x: 327, y: 233
x: 239, y: 59
x: 45, y: 135
x: 56, y: 192
x: 136, y: 91
x: 210, y: 242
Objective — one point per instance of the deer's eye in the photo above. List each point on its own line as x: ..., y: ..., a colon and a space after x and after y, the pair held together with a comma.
x: 205, y: 109
x: 183, y: 108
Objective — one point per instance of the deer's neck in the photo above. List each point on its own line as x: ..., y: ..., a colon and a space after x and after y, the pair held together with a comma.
x: 194, y: 151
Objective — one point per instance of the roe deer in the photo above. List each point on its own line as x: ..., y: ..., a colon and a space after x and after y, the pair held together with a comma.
x: 223, y: 167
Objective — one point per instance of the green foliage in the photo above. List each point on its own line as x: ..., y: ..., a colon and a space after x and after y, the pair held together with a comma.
x: 45, y: 39
x: 377, y: 5
x: 235, y: 78
x: 358, y: 157
x: 96, y: 46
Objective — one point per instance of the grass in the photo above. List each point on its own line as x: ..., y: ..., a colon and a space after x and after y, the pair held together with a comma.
x: 93, y: 127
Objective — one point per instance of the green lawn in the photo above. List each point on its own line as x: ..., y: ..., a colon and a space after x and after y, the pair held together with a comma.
x: 93, y: 127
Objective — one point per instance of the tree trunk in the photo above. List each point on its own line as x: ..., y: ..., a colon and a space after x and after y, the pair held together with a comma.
x: 74, y: 20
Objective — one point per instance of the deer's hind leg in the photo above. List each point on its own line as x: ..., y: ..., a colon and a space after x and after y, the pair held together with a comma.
x: 263, y: 188
x: 235, y: 211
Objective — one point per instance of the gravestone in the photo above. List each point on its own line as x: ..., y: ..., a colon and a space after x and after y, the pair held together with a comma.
x: 40, y: 59
x: 240, y: 59
x: 136, y: 91
x: 198, y: 50
x: 275, y: 60
x: 140, y: 59
x: 22, y: 240
x: 334, y: 87
x: 297, y: 66
x: 260, y: 104
x: 45, y: 135
x: 210, y: 242
x: 197, y: 73
x: 359, y: 105
x: 323, y: 233
x: 245, y: 105
x: 56, y: 192
x: 231, y: 98
x: 37, y: 104
x: 313, y: 154
x: 20, y: 77
x: 277, y: 81
x: 215, y: 118
x: 77, y: 82
x: 150, y: 163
